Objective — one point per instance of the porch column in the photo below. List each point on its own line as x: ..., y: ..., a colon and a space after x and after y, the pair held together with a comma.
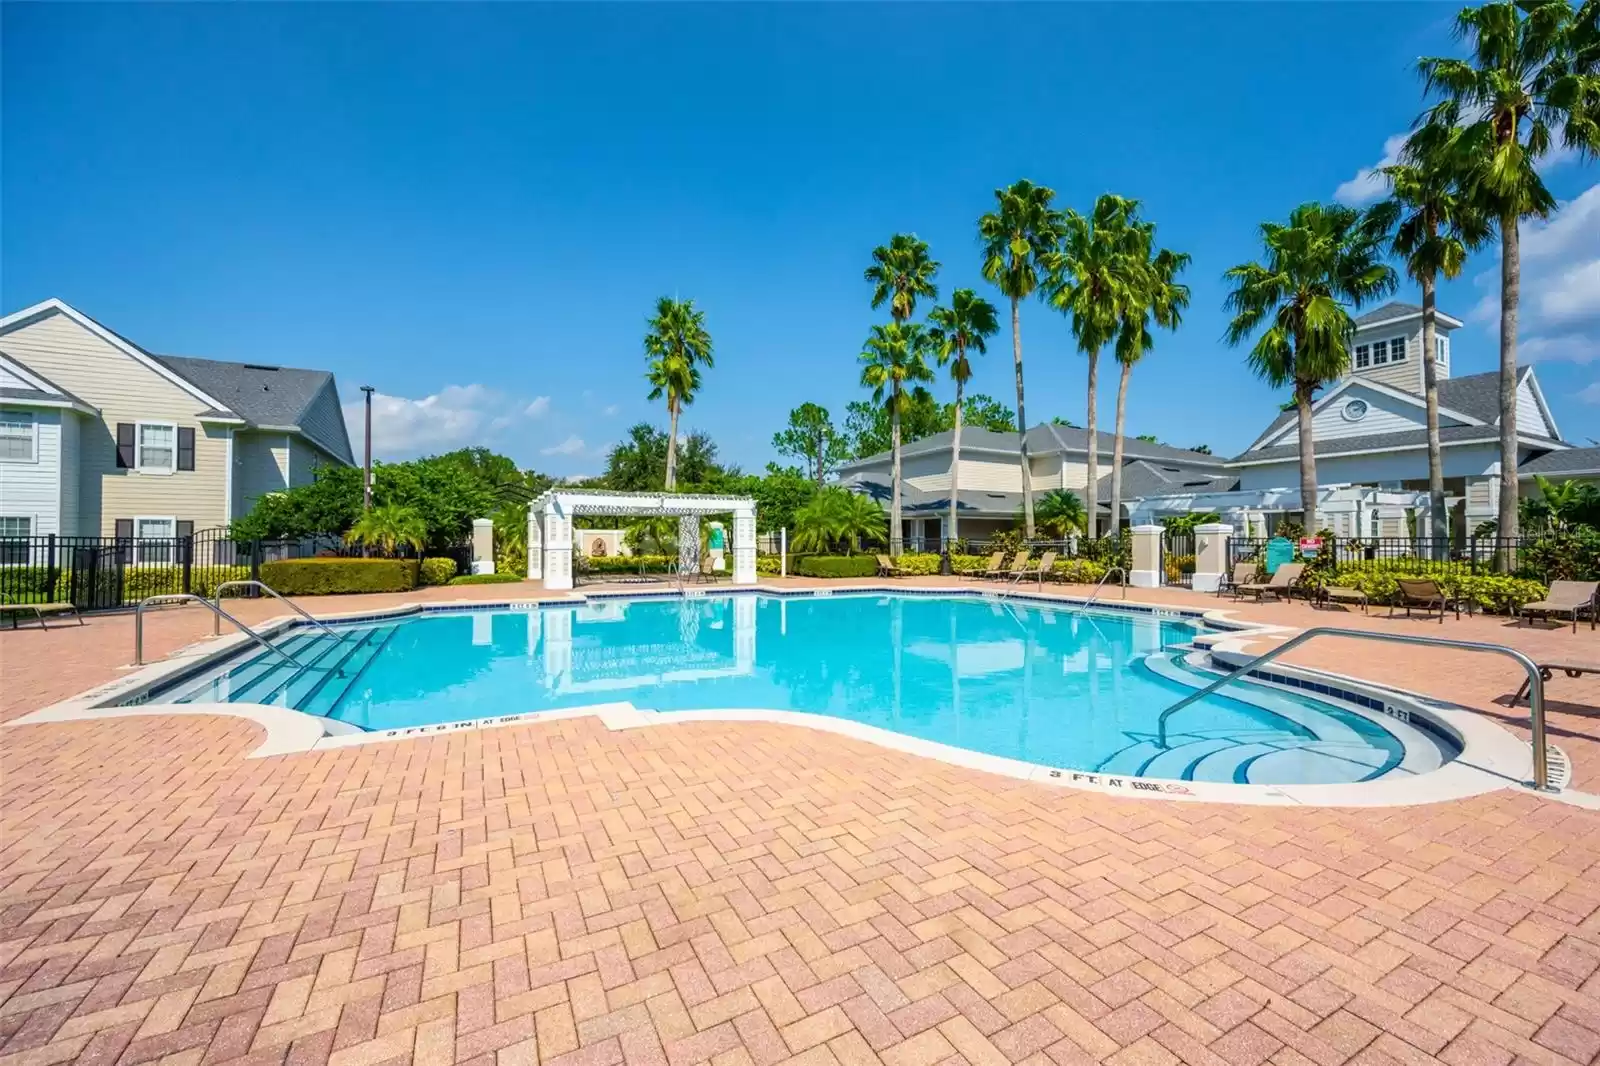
x: 535, y: 544
x: 483, y: 545
x: 744, y: 545
x: 557, y: 550
x: 1146, y: 573
x: 1210, y: 555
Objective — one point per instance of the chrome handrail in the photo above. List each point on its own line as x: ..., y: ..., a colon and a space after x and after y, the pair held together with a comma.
x: 1541, y: 768
x: 184, y: 597
x: 216, y: 621
x: 1101, y: 584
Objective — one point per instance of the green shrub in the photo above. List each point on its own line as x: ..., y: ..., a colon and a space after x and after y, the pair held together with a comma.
x: 836, y: 566
x: 203, y: 581
x: 436, y: 571
x: 918, y: 563
x: 321, y: 577
x: 1079, y: 571
x: 1567, y: 555
x: 486, y: 579
x: 968, y: 564
x: 768, y: 564
x: 1499, y: 593
x: 625, y: 564
x: 25, y: 584
x: 1176, y: 566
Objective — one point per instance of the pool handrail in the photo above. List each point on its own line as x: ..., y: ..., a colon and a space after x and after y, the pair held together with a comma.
x: 1541, y: 766
x: 1107, y: 577
x: 185, y: 597
x: 216, y: 619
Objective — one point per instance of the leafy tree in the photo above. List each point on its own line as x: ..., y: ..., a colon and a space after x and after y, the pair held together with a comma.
x: 1060, y: 512
x: 894, y: 356
x: 1019, y: 238
x: 836, y: 519
x: 980, y: 411
x: 1057, y: 420
x: 1203, y: 449
x: 866, y: 424
x: 1533, y: 72
x: 676, y: 347
x: 964, y: 326
x: 635, y: 462
x: 1182, y: 525
x: 779, y: 496
x: 1148, y: 438
x: 810, y: 436
x: 1325, y: 257
x: 389, y: 526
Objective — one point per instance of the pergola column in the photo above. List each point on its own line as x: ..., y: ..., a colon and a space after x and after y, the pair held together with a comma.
x: 744, y: 545
x: 557, y: 550
x: 535, y: 543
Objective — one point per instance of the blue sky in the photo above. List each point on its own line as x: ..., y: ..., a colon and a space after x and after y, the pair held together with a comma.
x: 473, y: 207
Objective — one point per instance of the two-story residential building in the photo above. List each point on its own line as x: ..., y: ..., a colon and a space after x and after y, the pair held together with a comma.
x: 101, y: 437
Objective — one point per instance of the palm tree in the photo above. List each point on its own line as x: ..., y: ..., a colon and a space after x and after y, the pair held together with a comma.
x: 1019, y: 238
x: 1435, y: 227
x: 955, y: 330
x: 1161, y: 301
x: 1326, y: 256
x: 835, y: 518
x: 388, y: 527
x: 895, y: 355
x: 1533, y: 72
x: 676, y: 346
x: 1096, y: 280
x: 1060, y: 512
x: 902, y: 273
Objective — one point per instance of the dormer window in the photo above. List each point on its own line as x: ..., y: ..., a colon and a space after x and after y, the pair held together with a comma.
x: 1380, y: 352
x: 1363, y: 356
x: 1441, y: 349
x: 1397, y: 350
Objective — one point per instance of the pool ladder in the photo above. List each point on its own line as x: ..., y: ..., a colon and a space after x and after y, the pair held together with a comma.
x: 221, y: 615
x: 1102, y: 582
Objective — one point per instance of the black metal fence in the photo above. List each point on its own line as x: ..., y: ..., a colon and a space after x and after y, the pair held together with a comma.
x: 1532, y: 557
x: 106, y: 573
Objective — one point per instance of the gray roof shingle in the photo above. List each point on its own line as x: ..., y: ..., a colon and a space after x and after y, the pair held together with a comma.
x: 1046, y: 440
x: 1564, y: 462
x: 263, y: 395
x: 1393, y: 309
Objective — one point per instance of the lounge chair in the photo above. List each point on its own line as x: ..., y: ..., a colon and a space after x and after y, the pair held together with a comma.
x: 1424, y: 593
x: 993, y: 566
x: 1569, y: 598
x: 1281, y: 584
x: 1019, y: 562
x: 1243, y: 574
x: 1041, y: 570
x: 1547, y: 670
x: 1338, y: 594
x: 40, y: 611
x: 886, y: 567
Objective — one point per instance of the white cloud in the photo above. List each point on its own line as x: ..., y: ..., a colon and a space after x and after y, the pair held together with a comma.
x: 457, y: 416
x: 1590, y: 393
x: 610, y: 409
x: 538, y: 408
x: 571, y: 446
x: 1368, y: 184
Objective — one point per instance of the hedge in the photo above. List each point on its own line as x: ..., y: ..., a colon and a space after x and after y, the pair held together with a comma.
x: 486, y: 579
x: 625, y: 564
x: 320, y: 577
x: 436, y: 571
x: 836, y: 566
x: 768, y: 564
x: 1499, y: 593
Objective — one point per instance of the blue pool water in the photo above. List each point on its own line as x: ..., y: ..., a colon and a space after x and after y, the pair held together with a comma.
x: 1060, y: 687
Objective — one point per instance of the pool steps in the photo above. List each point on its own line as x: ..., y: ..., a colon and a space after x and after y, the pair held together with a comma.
x: 330, y: 665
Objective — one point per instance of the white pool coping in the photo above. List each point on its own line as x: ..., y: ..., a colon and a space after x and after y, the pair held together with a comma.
x: 1491, y: 758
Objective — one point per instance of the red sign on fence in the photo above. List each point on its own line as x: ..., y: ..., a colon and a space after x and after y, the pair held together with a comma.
x: 1310, y: 547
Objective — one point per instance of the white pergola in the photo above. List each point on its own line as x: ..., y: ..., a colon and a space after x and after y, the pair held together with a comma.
x: 550, y: 528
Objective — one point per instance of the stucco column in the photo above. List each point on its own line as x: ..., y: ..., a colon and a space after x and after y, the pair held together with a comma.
x: 1210, y: 555
x: 483, y: 545
x: 557, y: 551
x: 744, y: 546
x: 1146, y: 573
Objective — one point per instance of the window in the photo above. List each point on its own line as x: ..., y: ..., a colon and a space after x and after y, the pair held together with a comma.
x: 1363, y: 356
x: 158, y: 447
x: 153, y: 539
x: 1397, y: 350
x: 14, y: 533
x: 18, y: 438
x: 15, y: 526
x: 1441, y: 349
x: 1380, y: 352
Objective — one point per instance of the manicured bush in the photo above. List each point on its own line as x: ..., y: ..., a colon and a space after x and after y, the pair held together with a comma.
x: 436, y: 571
x: 486, y: 579
x: 624, y: 564
x: 1079, y: 571
x: 1177, y: 566
x: 321, y: 577
x: 25, y: 584
x: 1499, y: 593
x: 919, y: 563
x: 836, y: 566
x: 768, y: 564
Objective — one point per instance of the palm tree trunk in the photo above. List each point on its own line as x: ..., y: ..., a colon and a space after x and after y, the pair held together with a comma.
x: 1116, y: 450
x: 955, y: 458
x: 1430, y: 391
x: 1308, y: 459
x: 1510, y: 296
x: 894, y: 473
x: 1091, y: 490
x: 1022, y: 421
x: 672, y: 443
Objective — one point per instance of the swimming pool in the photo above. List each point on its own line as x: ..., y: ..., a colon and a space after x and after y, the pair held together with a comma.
x: 1049, y: 685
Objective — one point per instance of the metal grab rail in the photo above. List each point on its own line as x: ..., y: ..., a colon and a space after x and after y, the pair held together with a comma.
x: 216, y: 620
x: 1541, y: 769
x: 177, y: 597
x: 1101, y: 584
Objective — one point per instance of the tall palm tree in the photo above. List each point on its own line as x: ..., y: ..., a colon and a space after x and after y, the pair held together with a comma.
x: 1533, y: 73
x: 389, y: 527
x: 1160, y: 302
x: 1096, y: 280
x: 901, y: 273
x: 1019, y: 238
x: 895, y: 356
x: 677, y: 345
x: 1436, y: 226
x: 955, y: 330
x: 1326, y: 256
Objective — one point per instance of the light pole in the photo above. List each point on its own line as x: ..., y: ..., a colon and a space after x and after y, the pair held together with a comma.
x: 366, y: 467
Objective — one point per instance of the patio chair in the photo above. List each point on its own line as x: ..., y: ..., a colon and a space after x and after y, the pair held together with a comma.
x: 992, y: 566
x: 1547, y: 670
x: 708, y: 572
x: 1243, y: 574
x: 1340, y: 595
x: 1281, y: 584
x: 1046, y: 564
x: 1570, y: 598
x: 40, y: 611
x: 886, y: 568
x: 1019, y: 562
x: 1425, y: 594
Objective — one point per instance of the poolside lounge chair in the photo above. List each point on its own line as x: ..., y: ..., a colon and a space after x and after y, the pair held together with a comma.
x: 1041, y: 570
x: 1281, y: 584
x: 1019, y: 563
x: 1424, y: 593
x: 886, y: 567
x: 40, y: 611
x: 1570, y: 598
x: 992, y: 566
x: 1547, y: 670
x: 1338, y: 594
x: 1243, y: 574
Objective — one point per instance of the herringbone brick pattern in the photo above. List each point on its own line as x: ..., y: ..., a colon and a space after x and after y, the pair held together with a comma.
x: 748, y: 895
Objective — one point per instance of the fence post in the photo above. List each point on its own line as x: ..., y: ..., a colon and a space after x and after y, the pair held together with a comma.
x: 51, y: 570
x: 783, y: 552
x: 186, y: 545
x: 1147, y: 570
x: 255, y: 560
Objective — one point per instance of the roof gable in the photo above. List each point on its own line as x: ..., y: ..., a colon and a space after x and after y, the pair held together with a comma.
x: 1399, y: 311
x: 1386, y: 410
x: 272, y: 397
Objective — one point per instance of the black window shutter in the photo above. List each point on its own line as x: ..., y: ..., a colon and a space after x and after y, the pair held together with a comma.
x: 185, y: 529
x: 186, y: 448
x: 125, y: 457
x: 124, y: 529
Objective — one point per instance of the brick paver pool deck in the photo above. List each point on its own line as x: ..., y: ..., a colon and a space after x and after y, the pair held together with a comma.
x: 751, y: 893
